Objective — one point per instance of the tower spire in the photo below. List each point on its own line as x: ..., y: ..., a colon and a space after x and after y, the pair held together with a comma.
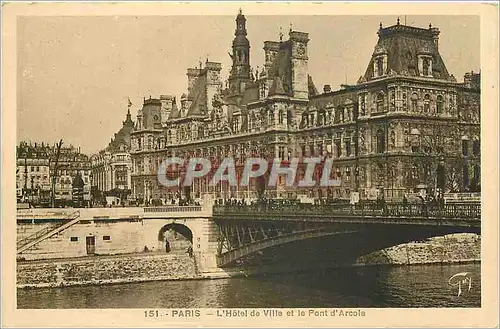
x: 240, y: 71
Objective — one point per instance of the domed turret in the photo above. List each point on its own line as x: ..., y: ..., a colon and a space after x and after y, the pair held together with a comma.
x: 240, y: 72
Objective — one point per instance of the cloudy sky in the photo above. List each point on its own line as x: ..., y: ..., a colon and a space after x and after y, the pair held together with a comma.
x: 75, y: 73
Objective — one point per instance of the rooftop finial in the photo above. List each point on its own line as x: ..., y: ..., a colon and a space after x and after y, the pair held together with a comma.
x: 398, y: 20
x: 240, y: 12
x: 430, y: 25
x: 380, y: 25
x: 291, y: 26
x: 281, y: 34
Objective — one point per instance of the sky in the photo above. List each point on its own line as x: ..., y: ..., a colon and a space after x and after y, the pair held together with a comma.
x: 76, y: 73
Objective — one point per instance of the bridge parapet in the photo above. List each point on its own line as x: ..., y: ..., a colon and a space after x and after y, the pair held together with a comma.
x: 113, y: 213
x: 462, y: 211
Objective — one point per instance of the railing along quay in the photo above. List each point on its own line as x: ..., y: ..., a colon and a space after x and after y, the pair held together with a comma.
x: 173, y: 209
x: 457, y: 211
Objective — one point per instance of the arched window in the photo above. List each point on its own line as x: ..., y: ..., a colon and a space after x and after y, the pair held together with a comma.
x: 414, y: 102
x: 439, y: 104
x: 380, y: 102
x: 427, y: 103
x: 380, y: 141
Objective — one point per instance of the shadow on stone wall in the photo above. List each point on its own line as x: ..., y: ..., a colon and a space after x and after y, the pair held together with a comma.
x: 453, y: 248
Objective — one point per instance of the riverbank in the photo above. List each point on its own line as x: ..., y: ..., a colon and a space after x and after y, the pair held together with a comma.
x: 449, y: 249
x: 133, y: 268
x: 101, y: 270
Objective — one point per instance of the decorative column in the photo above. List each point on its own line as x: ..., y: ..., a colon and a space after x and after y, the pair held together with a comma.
x: 129, y: 177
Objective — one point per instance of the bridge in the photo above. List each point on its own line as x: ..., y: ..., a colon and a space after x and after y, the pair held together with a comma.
x: 349, y: 231
x: 228, y: 235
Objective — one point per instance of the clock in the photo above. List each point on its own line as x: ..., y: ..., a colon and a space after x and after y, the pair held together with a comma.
x: 301, y: 50
x: 213, y: 76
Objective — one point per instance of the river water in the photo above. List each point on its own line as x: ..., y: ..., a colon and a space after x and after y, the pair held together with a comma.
x: 374, y: 286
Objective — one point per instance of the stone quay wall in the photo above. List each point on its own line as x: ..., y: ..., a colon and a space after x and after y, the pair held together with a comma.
x: 453, y: 248
x: 105, y: 270
x: 142, y: 267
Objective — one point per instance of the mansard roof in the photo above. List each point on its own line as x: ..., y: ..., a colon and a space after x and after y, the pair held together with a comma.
x: 251, y: 94
x: 198, y: 96
x: 122, y: 137
x: 282, y: 68
x: 403, y: 44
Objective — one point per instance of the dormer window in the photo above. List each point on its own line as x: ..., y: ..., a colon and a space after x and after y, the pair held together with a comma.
x: 425, y: 65
x: 380, y: 65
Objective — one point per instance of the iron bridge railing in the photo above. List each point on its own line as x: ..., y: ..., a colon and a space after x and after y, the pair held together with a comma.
x: 447, y: 211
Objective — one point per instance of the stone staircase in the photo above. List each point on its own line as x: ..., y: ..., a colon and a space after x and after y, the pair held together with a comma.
x: 45, y: 233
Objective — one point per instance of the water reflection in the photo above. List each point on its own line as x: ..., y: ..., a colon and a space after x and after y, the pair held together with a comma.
x: 411, y: 286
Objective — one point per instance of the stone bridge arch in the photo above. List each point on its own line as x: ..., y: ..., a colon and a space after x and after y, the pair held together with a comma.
x: 181, y: 231
x: 177, y: 236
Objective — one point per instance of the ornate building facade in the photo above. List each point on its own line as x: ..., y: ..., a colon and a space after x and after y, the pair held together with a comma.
x: 111, y: 167
x: 407, y: 124
x: 36, y: 168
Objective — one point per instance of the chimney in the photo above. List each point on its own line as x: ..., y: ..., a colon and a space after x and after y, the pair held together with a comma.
x: 327, y: 89
x: 435, y: 36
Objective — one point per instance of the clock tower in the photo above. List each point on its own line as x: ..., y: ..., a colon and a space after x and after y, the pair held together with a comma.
x: 240, y: 71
